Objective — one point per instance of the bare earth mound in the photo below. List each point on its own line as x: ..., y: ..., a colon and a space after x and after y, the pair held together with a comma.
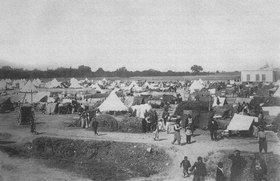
x: 100, y: 160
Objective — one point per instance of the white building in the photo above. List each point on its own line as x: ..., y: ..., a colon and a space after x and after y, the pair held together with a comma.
x: 262, y: 75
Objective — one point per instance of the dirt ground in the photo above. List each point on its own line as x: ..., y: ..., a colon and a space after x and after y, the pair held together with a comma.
x: 14, y: 168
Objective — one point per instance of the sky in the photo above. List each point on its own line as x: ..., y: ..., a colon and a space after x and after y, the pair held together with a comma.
x: 164, y: 35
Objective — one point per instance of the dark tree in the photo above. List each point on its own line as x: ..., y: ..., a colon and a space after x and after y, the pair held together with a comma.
x: 196, y: 69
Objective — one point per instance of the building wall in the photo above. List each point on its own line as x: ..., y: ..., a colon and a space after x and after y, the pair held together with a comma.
x: 253, y: 75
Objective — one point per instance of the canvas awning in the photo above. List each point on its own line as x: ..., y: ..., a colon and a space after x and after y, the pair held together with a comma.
x: 241, y: 122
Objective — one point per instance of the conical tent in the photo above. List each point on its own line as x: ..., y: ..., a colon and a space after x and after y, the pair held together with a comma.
x: 53, y: 84
x: 74, y: 83
x: 3, y: 85
x: 28, y: 88
x: 86, y: 80
x: 146, y: 85
x: 96, y: 87
x: 112, y: 103
x: 133, y: 84
x: 8, y: 80
x: 196, y: 85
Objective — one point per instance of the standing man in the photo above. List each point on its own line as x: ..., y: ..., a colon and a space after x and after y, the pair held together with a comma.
x: 177, y: 136
x: 32, y: 122
x: 165, y: 116
x: 190, y: 123
x: 144, y: 122
x: 199, y: 170
x: 95, y: 122
x: 213, y: 127
x: 262, y: 140
x: 237, y: 166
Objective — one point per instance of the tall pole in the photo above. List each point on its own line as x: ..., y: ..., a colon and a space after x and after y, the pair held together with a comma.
x: 31, y: 97
x: 209, y: 103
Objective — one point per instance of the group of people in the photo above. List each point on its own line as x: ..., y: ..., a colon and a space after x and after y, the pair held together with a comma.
x: 88, y: 120
x: 188, y: 127
x: 244, y: 108
x: 150, y: 121
x: 238, y: 165
x: 198, y: 169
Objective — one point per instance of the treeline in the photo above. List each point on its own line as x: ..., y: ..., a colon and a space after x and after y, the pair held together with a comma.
x: 85, y: 71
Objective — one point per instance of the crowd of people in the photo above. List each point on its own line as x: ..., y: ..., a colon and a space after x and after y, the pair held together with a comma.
x: 238, y: 164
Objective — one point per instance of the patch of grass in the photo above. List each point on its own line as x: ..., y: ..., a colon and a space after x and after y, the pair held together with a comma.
x: 101, y: 160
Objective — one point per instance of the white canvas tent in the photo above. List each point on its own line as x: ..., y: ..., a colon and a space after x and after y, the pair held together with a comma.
x: 36, y: 97
x: 241, y: 122
x: 86, y: 80
x: 28, y: 88
x: 36, y: 82
x: 18, y: 84
x: 146, y: 85
x: 112, y: 103
x: 196, y: 85
x: 53, y: 84
x: 96, y: 87
x: 133, y: 84
x: 74, y: 83
x: 141, y: 109
x: 3, y: 84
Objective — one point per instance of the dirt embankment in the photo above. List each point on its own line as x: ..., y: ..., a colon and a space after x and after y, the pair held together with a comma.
x: 97, y: 160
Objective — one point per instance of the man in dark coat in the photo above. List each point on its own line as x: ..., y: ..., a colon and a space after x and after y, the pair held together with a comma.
x: 32, y: 122
x: 94, y: 122
x: 237, y: 166
x: 199, y: 170
x: 213, y: 127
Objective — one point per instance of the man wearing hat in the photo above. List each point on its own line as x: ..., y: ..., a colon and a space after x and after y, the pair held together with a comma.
x: 238, y: 163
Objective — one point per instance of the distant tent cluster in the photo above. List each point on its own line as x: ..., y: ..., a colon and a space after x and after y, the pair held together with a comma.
x: 204, y: 99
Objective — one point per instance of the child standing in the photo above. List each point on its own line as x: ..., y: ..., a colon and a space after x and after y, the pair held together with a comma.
x: 188, y: 133
x: 186, y: 165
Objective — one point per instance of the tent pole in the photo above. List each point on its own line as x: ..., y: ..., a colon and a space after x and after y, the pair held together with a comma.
x: 209, y: 104
x: 23, y: 98
x: 31, y: 97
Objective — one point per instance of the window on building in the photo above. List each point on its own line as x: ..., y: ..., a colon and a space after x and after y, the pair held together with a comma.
x: 257, y: 77
x: 248, y: 77
x: 263, y: 77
